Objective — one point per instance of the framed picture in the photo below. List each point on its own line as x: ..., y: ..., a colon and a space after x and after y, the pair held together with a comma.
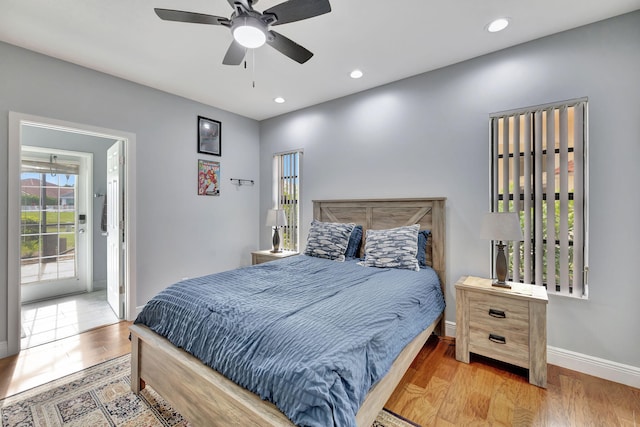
x: 209, y: 136
x: 208, y: 178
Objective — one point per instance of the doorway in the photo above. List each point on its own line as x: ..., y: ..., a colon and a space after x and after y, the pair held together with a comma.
x: 62, y: 272
x: 65, y: 233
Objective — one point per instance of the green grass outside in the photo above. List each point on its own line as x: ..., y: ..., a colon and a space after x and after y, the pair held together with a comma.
x: 52, y: 217
x: 30, y: 245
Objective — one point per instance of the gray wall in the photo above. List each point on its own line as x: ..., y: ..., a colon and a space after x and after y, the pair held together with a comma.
x: 178, y: 233
x: 50, y: 138
x: 428, y: 136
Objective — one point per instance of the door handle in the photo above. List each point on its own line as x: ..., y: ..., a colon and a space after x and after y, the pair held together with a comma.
x: 81, y: 231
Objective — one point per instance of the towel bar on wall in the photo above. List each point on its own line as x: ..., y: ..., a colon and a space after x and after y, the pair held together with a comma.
x: 240, y: 181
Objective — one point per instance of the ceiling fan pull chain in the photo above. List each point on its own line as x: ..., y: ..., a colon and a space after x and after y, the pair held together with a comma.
x: 253, y: 66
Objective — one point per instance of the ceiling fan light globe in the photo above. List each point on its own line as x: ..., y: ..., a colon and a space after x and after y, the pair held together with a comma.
x: 249, y: 36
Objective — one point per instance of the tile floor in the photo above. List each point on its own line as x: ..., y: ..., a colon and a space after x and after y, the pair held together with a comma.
x: 51, y: 320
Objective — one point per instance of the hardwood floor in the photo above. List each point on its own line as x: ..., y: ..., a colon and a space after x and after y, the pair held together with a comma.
x: 440, y: 391
x: 436, y: 391
x: 47, y: 362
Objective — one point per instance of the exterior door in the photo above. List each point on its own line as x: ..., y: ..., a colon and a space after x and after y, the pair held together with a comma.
x: 55, y: 245
x: 115, y: 228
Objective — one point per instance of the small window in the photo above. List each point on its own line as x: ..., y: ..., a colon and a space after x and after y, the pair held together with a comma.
x: 539, y: 169
x: 287, y: 193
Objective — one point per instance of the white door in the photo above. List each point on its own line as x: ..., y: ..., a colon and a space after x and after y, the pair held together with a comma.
x: 55, y: 226
x: 115, y: 228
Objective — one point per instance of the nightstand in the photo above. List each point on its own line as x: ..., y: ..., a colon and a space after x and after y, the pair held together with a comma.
x: 258, y: 257
x: 509, y: 325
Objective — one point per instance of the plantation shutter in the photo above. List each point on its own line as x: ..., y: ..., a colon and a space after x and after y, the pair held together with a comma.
x: 287, y: 189
x: 539, y: 160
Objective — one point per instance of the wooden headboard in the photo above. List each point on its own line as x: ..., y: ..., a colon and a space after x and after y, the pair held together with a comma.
x: 380, y: 214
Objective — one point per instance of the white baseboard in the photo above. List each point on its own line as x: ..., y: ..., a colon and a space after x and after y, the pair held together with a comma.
x: 4, y: 349
x: 590, y: 365
x: 449, y: 328
x: 601, y: 368
x: 139, y: 309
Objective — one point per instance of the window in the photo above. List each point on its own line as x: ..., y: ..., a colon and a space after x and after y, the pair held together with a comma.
x: 48, y: 221
x: 287, y: 193
x: 539, y: 169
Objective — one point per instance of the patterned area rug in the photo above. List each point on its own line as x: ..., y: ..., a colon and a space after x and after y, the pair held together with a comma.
x: 101, y: 396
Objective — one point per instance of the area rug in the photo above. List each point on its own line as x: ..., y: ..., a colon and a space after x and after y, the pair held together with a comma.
x: 101, y: 396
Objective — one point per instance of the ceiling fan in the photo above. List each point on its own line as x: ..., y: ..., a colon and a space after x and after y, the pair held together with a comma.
x: 250, y: 29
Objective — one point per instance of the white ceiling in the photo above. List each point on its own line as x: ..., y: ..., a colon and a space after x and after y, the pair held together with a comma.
x: 388, y: 40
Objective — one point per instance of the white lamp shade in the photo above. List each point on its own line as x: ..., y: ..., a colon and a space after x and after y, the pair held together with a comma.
x: 276, y: 218
x: 501, y: 226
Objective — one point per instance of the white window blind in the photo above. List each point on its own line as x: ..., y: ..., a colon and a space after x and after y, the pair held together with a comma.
x: 287, y: 191
x: 539, y: 169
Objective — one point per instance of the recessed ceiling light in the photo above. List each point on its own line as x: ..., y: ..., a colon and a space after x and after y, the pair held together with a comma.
x: 279, y: 100
x: 356, y: 74
x: 498, y: 25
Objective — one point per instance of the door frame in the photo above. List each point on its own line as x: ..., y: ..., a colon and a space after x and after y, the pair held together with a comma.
x: 16, y: 120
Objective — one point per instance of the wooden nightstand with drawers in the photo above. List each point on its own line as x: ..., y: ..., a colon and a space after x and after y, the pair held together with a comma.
x: 258, y: 257
x: 509, y: 325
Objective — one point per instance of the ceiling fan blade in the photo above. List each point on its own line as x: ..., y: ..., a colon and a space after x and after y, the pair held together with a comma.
x: 235, y: 54
x: 288, y: 47
x: 191, y: 17
x: 297, y: 10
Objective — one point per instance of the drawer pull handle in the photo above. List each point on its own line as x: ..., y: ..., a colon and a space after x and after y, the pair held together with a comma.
x: 497, y: 339
x: 497, y: 313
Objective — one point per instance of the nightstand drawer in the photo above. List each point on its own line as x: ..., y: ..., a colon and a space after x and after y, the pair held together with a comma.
x: 262, y: 258
x: 498, y: 313
x: 500, y: 345
x: 259, y: 257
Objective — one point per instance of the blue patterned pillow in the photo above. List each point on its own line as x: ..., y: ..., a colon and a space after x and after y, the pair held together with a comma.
x: 354, y: 242
x: 392, y: 248
x: 423, y: 238
x: 328, y: 240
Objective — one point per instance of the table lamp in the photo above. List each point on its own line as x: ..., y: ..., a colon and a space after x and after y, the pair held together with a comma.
x: 501, y: 226
x: 276, y: 218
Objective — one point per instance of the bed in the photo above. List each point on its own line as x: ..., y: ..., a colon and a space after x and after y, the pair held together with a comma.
x: 206, y: 397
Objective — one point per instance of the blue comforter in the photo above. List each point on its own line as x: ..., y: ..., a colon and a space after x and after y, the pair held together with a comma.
x: 308, y: 334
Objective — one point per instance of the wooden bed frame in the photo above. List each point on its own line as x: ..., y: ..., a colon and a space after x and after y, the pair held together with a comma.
x: 206, y: 398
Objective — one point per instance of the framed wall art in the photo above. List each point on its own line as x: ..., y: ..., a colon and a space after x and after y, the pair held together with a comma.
x: 208, y: 178
x: 209, y: 136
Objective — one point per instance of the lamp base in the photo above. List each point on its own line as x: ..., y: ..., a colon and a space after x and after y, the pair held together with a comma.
x: 276, y: 241
x: 501, y: 268
x: 498, y: 284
